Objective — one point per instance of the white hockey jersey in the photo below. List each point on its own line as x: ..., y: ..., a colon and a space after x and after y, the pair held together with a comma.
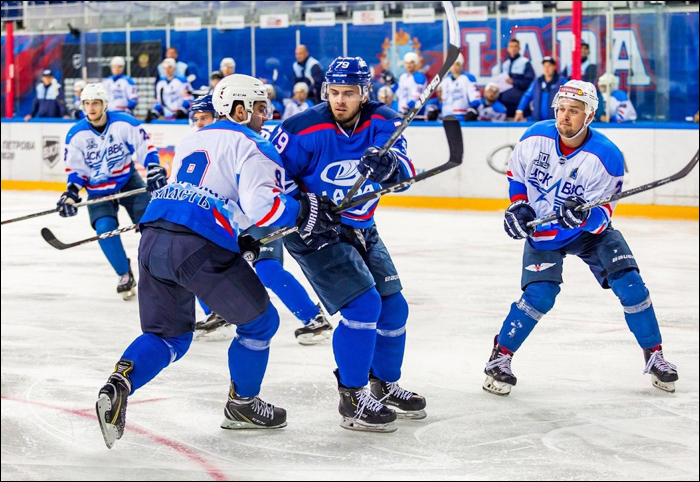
x: 123, y: 93
x: 173, y: 95
x: 225, y: 177
x: 410, y: 88
x: 540, y: 174
x: 621, y: 108
x: 102, y: 163
x: 459, y: 94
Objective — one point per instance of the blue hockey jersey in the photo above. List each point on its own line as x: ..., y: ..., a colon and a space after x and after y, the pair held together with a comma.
x: 320, y: 157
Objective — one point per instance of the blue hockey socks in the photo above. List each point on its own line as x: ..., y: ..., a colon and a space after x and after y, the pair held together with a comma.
x: 287, y: 289
x: 249, y: 352
x: 112, y: 247
x: 151, y: 353
x: 639, y: 312
x: 391, y: 338
x: 355, y: 337
x: 535, y: 302
x: 207, y: 310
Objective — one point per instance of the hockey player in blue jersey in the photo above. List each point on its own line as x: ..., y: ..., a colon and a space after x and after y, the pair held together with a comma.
x: 324, y: 150
x: 99, y: 156
x: 225, y: 176
x: 557, y: 166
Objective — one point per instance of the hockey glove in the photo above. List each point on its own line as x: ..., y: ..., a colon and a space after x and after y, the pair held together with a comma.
x: 151, y: 116
x: 377, y: 168
x: 472, y: 115
x: 246, y: 246
x: 156, y: 178
x: 65, y: 205
x: 316, y: 221
x: 567, y: 215
x: 517, y: 216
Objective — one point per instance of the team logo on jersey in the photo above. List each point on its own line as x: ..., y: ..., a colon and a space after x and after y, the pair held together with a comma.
x: 543, y: 160
x: 341, y: 173
x: 50, y: 150
x: 574, y: 173
x: 91, y: 144
x: 539, y: 267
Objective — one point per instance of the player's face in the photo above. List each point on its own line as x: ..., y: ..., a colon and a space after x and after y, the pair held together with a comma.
x: 345, y: 102
x: 169, y: 70
x: 257, y: 120
x: 491, y: 94
x: 227, y: 70
x: 300, y: 95
x: 93, y: 110
x: 202, y: 119
x: 457, y: 69
x: 410, y: 66
x: 571, y: 114
x: 117, y: 69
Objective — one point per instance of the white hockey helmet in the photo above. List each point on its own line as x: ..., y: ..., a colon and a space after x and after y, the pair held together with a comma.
x: 581, y: 91
x: 611, y: 81
x: 117, y: 61
x: 169, y: 63
x: 411, y: 57
x: 241, y: 87
x: 95, y: 92
x: 227, y: 61
x: 79, y: 85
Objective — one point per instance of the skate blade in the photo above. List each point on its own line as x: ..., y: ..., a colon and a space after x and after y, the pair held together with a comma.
x: 669, y: 387
x: 311, y: 339
x: 127, y: 295
x: 359, y: 426
x: 239, y: 425
x: 501, y: 389
x: 109, y: 431
x: 410, y: 414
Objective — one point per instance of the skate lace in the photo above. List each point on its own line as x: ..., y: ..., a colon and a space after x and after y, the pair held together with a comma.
x: 502, y: 362
x: 657, y: 360
x: 397, y: 391
x: 366, y: 400
x: 263, y: 409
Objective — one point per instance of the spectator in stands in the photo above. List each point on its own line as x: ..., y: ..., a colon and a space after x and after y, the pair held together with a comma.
x: 490, y: 108
x: 227, y: 66
x: 76, y: 108
x: 122, y: 91
x: 181, y: 68
x: 300, y: 102
x: 48, y: 98
x: 173, y: 95
x: 589, y: 71
x: 536, y: 103
x: 307, y: 69
x: 411, y: 83
x: 621, y: 107
x: 386, y: 96
x: 276, y: 108
x: 520, y: 76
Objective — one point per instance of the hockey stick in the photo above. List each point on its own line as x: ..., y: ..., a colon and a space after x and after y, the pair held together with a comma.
x: 111, y: 197
x: 453, y: 131
x: 452, y: 54
x: 630, y: 192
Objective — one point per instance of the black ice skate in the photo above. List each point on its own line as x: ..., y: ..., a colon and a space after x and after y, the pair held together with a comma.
x: 251, y: 413
x: 127, y: 284
x: 111, y: 403
x: 213, y: 323
x: 362, y: 412
x: 317, y: 330
x: 663, y: 373
x: 407, y: 405
x: 499, y: 377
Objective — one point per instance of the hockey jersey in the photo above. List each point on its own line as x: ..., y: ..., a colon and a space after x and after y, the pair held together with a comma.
x: 172, y: 95
x: 410, y: 88
x: 102, y: 162
x: 320, y: 157
x: 225, y: 177
x: 495, y: 112
x: 540, y: 174
x: 123, y: 93
x: 459, y: 94
x: 621, y: 107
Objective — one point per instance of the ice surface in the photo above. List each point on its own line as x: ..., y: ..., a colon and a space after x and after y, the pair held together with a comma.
x: 581, y: 409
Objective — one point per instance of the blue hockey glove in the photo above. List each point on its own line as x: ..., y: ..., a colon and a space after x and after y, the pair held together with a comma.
x: 65, y: 205
x: 377, y: 168
x: 568, y: 217
x: 517, y: 216
x: 156, y: 178
x: 318, y: 225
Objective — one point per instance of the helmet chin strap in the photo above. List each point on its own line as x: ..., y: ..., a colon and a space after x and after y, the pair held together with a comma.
x: 101, y: 120
x: 586, y: 123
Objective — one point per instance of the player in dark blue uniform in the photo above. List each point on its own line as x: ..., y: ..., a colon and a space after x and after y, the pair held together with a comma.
x: 324, y: 150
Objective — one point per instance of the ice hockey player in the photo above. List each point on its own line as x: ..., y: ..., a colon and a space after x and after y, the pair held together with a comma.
x: 557, y: 166
x: 621, y: 107
x: 173, y: 95
x: 490, y: 108
x: 224, y: 177
x: 99, y: 156
x: 459, y: 94
x: 324, y: 150
x: 122, y: 91
x: 411, y: 83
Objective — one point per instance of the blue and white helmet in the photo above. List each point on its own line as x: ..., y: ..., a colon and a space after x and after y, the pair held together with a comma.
x: 348, y: 71
x: 202, y: 104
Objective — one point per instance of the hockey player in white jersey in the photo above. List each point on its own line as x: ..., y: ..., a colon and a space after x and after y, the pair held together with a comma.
x: 225, y: 176
x: 173, y: 95
x: 99, y: 156
x: 411, y: 83
x: 459, y: 94
x: 121, y: 89
x: 557, y: 166
x: 621, y: 107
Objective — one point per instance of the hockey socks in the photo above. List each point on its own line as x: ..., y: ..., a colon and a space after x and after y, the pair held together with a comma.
x: 536, y: 301
x: 207, y: 310
x: 112, y: 247
x: 639, y: 311
x: 249, y: 352
x: 391, y: 338
x: 287, y: 289
x: 151, y: 353
x: 355, y: 337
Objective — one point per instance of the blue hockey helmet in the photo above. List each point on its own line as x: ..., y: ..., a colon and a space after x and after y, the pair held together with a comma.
x: 347, y: 71
x: 202, y: 104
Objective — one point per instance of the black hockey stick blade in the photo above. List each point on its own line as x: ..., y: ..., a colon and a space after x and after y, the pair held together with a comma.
x: 452, y: 54
x: 630, y: 192
x: 53, y: 241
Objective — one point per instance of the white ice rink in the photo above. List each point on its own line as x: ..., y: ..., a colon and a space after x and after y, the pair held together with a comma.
x: 581, y: 409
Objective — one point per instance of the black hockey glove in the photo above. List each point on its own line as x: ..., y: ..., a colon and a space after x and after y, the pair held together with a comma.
x: 567, y: 215
x: 472, y: 115
x: 156, y: 177
x: 65, y: 205
x: 377, y: 168
x: 246, y: 246
x: 151, y: 116
x: 517, y: 216
x: 318, y: 225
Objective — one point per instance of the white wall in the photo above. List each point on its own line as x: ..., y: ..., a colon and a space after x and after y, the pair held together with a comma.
x: 650, y: 154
